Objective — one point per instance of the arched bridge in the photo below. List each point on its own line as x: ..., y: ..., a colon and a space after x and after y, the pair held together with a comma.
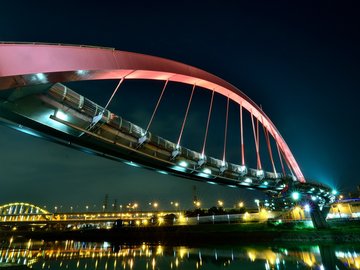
x: 21, y: 211
x: 35, y: 100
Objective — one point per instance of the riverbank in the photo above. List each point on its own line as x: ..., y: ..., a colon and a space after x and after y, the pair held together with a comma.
x: 201, y: 234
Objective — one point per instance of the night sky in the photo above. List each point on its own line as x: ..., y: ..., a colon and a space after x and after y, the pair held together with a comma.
x: 299, y: 60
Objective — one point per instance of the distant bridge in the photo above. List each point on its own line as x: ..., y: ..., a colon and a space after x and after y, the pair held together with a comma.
x: 22, y: 212
x: 35, y: 101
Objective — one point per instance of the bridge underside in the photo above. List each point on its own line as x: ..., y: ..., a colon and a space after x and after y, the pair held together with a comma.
x: 57, y: 113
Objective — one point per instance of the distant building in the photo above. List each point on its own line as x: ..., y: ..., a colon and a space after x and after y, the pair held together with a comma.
x: 349, y: 208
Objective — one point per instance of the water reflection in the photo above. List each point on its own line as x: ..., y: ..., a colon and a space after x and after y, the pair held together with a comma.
x: 107, y: 256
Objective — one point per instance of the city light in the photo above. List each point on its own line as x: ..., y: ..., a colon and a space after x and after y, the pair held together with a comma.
x: 241, y: 204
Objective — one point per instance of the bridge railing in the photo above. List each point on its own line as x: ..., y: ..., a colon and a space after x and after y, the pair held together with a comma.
x: 115, y: 125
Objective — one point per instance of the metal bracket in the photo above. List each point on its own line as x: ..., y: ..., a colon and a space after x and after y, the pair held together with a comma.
x: 175, y: 153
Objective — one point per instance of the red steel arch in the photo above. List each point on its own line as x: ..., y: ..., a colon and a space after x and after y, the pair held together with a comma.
x: 29, y: 64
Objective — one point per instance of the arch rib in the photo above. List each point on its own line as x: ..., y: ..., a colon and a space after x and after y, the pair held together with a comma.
x: 62, y: 63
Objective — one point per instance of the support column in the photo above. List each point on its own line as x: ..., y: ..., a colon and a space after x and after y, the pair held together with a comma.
x: 318, y: 216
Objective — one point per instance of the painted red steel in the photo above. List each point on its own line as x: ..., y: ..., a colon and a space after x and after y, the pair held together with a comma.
x: 29, y: 64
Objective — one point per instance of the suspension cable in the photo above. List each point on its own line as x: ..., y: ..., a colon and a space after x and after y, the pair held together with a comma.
x: 281, y: 161
x: 186, y: 114
x: 266, y: 132
x: 156, y: 107
x: 98, y: 117
x: 226, y: 127
x: 258, y: 138
x: 256, y: 143
x: 207, y: 123
x: 287, y: 164
x: 242, y: 137
x: 113, y: 94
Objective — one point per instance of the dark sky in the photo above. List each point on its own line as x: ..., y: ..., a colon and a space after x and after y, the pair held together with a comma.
x: 298, y: 59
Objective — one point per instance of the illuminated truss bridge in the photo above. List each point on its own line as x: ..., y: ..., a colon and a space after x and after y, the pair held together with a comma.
x: 20, y: 211
x: 35, y: 100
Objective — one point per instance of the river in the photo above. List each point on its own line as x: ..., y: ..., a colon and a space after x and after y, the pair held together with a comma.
x: 27, y: 253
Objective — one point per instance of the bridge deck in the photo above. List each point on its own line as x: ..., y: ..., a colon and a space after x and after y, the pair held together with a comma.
x: 62, y: 113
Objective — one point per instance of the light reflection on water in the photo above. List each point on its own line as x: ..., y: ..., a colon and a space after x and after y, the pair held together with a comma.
x: 107, y: 256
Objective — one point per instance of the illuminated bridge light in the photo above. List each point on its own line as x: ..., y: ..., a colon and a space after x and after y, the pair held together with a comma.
x: 133, y: 164
x: 260, y: 174
x: 247, y: 182
x: 40, y: 77
x: 207, y: 171
x: 295, y: 195
x: 61, y: 115
x: 81, y: 72
x: 183, y: 164
x: 242, y: 170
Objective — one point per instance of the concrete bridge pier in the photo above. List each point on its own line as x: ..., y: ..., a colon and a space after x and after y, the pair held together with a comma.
x: 318, y: 216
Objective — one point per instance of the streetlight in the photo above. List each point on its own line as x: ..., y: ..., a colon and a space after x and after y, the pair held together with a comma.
x: 241, y: 204
x: 220, y: 203
x: 135, y: 205
x: 87, y: 208
x: 176, y: 206
x: 55, y: 209
x: 197, y: 204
